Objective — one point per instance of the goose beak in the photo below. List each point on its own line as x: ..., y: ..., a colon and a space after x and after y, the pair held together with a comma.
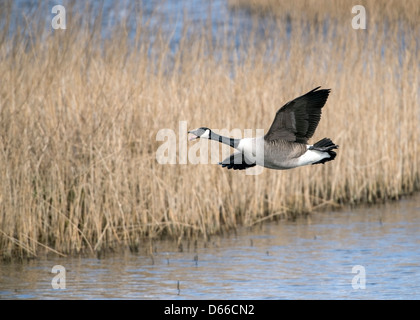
x: 193, y: 136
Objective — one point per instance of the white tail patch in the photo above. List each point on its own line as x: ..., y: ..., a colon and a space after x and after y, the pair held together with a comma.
x: 311, y: 156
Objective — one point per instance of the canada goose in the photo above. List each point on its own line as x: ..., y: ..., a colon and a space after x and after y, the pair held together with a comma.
x: 285, y: 144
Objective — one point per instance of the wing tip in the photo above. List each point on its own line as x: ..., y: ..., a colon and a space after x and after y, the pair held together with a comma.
x: 316, y: 94
x: 316, y: 90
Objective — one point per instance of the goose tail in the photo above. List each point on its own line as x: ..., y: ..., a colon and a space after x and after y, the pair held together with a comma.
x: 327, y: 146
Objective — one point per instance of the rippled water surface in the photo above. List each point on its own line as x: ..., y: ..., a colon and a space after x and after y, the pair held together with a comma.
x: 310, y: 258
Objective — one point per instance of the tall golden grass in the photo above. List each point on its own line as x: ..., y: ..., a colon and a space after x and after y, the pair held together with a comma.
x: 79, y: 114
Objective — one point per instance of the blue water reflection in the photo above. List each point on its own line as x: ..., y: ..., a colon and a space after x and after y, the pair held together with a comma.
x: 310, y: 258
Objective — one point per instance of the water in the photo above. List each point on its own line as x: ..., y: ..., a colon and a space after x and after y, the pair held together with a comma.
x: 310, y: 258
x: 166, y: 19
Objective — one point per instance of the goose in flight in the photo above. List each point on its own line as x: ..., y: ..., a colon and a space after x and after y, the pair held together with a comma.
x: 285, y: 146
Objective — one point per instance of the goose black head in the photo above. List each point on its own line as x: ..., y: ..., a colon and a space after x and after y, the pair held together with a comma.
x: 202, y: 132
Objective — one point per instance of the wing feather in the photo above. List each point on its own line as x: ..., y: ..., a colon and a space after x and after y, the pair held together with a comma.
x: 298, y: 119
x: 236, y: 161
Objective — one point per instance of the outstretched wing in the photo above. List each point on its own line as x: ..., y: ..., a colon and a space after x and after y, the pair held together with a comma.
x: 297, y: 120
x: 236, y: 161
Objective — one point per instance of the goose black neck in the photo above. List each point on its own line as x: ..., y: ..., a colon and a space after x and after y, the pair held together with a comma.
x: 229, y: 141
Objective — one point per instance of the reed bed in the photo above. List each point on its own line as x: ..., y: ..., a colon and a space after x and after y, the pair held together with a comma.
x: 80, y: 111
x: 378, y: 11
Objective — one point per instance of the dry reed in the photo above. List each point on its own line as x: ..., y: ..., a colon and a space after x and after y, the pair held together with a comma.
x: 79, y: 114
x: 389, y: 11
